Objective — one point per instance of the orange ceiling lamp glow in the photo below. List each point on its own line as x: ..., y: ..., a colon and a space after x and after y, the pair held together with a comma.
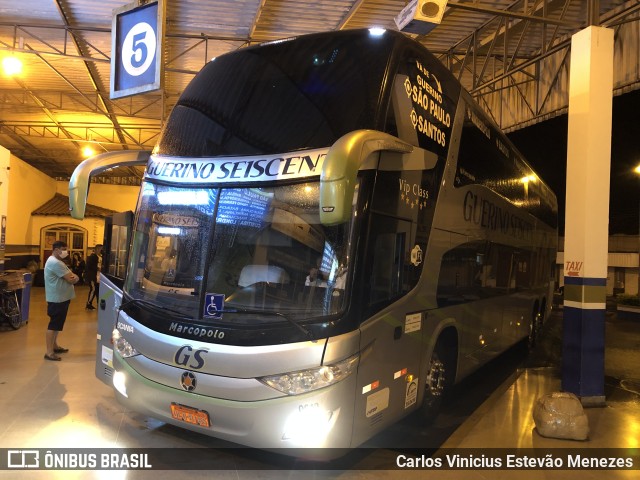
x: 88, y: 152
x: 11, y: 66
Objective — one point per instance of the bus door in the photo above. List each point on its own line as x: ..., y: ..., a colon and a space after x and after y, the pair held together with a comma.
x: 117, y: 235
x: 388, y: 375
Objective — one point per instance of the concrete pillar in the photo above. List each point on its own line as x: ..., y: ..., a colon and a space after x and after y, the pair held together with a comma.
x: 587, y: 213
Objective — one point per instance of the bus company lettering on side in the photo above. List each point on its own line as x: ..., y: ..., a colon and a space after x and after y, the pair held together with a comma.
x: 486, y: 214
x: 244, y: 169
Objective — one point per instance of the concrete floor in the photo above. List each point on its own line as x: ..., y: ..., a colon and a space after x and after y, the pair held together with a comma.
x: 47, y: 404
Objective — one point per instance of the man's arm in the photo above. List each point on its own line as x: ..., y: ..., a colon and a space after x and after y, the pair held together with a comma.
x: 71, y: 277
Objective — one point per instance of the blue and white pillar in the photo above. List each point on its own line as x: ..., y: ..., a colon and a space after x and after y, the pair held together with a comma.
x: 587, y: 213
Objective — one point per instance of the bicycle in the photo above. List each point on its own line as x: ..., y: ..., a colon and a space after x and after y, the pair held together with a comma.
x: 9, y: 308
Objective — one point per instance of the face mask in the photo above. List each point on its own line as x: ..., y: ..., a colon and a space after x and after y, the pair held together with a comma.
x: 64, y: 253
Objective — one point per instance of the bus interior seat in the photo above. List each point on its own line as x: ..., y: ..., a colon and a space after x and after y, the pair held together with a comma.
x: 252, y: 274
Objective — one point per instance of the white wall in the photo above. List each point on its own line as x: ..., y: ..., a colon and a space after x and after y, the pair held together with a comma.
x: 28, y: 189
x: 4, y: 194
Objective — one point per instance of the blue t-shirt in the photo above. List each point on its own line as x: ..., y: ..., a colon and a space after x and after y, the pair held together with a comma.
x: 57, y: 289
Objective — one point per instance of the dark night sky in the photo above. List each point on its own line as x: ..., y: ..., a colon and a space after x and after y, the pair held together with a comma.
x: 544, y: 145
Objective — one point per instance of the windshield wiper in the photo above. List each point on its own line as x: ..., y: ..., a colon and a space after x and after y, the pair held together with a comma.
x: 156, y: 308
x: 269, y: 312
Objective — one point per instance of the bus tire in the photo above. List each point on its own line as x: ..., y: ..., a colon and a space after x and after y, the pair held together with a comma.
x: 534, y: 331
x: 437, y: 382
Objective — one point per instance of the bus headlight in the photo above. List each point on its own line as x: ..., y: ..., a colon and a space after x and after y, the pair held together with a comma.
x: 304, y: 381
x: 124, y: 348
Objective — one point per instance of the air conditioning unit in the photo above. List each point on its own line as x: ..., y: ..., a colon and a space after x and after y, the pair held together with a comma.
x: 421, y: 16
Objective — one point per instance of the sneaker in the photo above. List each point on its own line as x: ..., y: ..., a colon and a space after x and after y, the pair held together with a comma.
x: 90, y: 307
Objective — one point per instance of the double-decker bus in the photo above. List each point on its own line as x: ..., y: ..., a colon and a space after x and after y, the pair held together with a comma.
x: 329, y: 233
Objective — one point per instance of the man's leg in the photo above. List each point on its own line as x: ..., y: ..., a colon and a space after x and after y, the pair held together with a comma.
x: 51, y: 339
x: 91, y: 295
x: 57, y: 313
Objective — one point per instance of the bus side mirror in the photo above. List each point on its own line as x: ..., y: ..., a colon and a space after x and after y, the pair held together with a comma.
x: 79, y: 183
x: 340, y: 170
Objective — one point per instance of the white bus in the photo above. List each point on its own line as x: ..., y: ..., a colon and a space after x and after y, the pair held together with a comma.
x: 329, y: 234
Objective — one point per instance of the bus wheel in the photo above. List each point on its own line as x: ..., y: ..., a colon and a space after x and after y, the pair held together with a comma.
x: 534, y: 331
x: 436, y: 383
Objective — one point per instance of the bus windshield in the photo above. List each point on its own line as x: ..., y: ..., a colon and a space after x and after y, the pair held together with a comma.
x: 238, y: 255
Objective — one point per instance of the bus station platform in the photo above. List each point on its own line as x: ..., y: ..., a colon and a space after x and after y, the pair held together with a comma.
x: 61, y: 405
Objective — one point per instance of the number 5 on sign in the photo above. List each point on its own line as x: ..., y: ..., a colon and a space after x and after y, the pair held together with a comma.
x: 139, y: 49
x: 136, y: 43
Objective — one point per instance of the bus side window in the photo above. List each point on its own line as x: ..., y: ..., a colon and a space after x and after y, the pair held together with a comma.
x: 479, y: 269
x: 466, y: 274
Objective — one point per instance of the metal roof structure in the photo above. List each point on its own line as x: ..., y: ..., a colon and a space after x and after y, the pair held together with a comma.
x: 512, y: 55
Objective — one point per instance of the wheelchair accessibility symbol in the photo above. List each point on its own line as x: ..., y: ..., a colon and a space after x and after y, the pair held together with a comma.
x: 213, y: 305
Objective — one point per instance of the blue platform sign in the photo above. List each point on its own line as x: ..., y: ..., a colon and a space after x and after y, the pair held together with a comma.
x: 136, y: 62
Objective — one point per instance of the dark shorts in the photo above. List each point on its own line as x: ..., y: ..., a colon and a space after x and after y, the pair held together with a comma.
x: 58, y: 314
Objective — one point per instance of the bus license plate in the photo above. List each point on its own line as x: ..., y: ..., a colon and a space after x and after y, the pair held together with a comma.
x: 190, y: 415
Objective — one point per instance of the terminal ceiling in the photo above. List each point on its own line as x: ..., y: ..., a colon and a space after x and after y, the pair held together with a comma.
x: 511, y: 55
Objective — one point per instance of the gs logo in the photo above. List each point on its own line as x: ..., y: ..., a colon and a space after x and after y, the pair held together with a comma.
x: 189, y: 357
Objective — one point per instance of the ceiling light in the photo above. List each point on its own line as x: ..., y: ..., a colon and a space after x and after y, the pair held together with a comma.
x: 11, y: 66
x: 88, y: 152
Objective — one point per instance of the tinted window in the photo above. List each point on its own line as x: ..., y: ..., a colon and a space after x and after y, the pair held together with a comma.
x: 487, y: 158
x: 476, y: 270
x: 281, y: 97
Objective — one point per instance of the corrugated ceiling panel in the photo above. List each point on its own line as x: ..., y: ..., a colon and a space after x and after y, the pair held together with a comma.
x: 97, y: 13
x: 231, y: 18
x: 29, y: 11
x: 288, y: 18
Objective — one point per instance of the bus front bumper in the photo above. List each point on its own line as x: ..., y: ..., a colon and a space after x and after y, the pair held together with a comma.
x: 318, y: 420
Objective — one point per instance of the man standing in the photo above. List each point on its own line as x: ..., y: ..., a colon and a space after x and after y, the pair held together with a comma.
x: 58, y: 284
x: 91, y: 273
